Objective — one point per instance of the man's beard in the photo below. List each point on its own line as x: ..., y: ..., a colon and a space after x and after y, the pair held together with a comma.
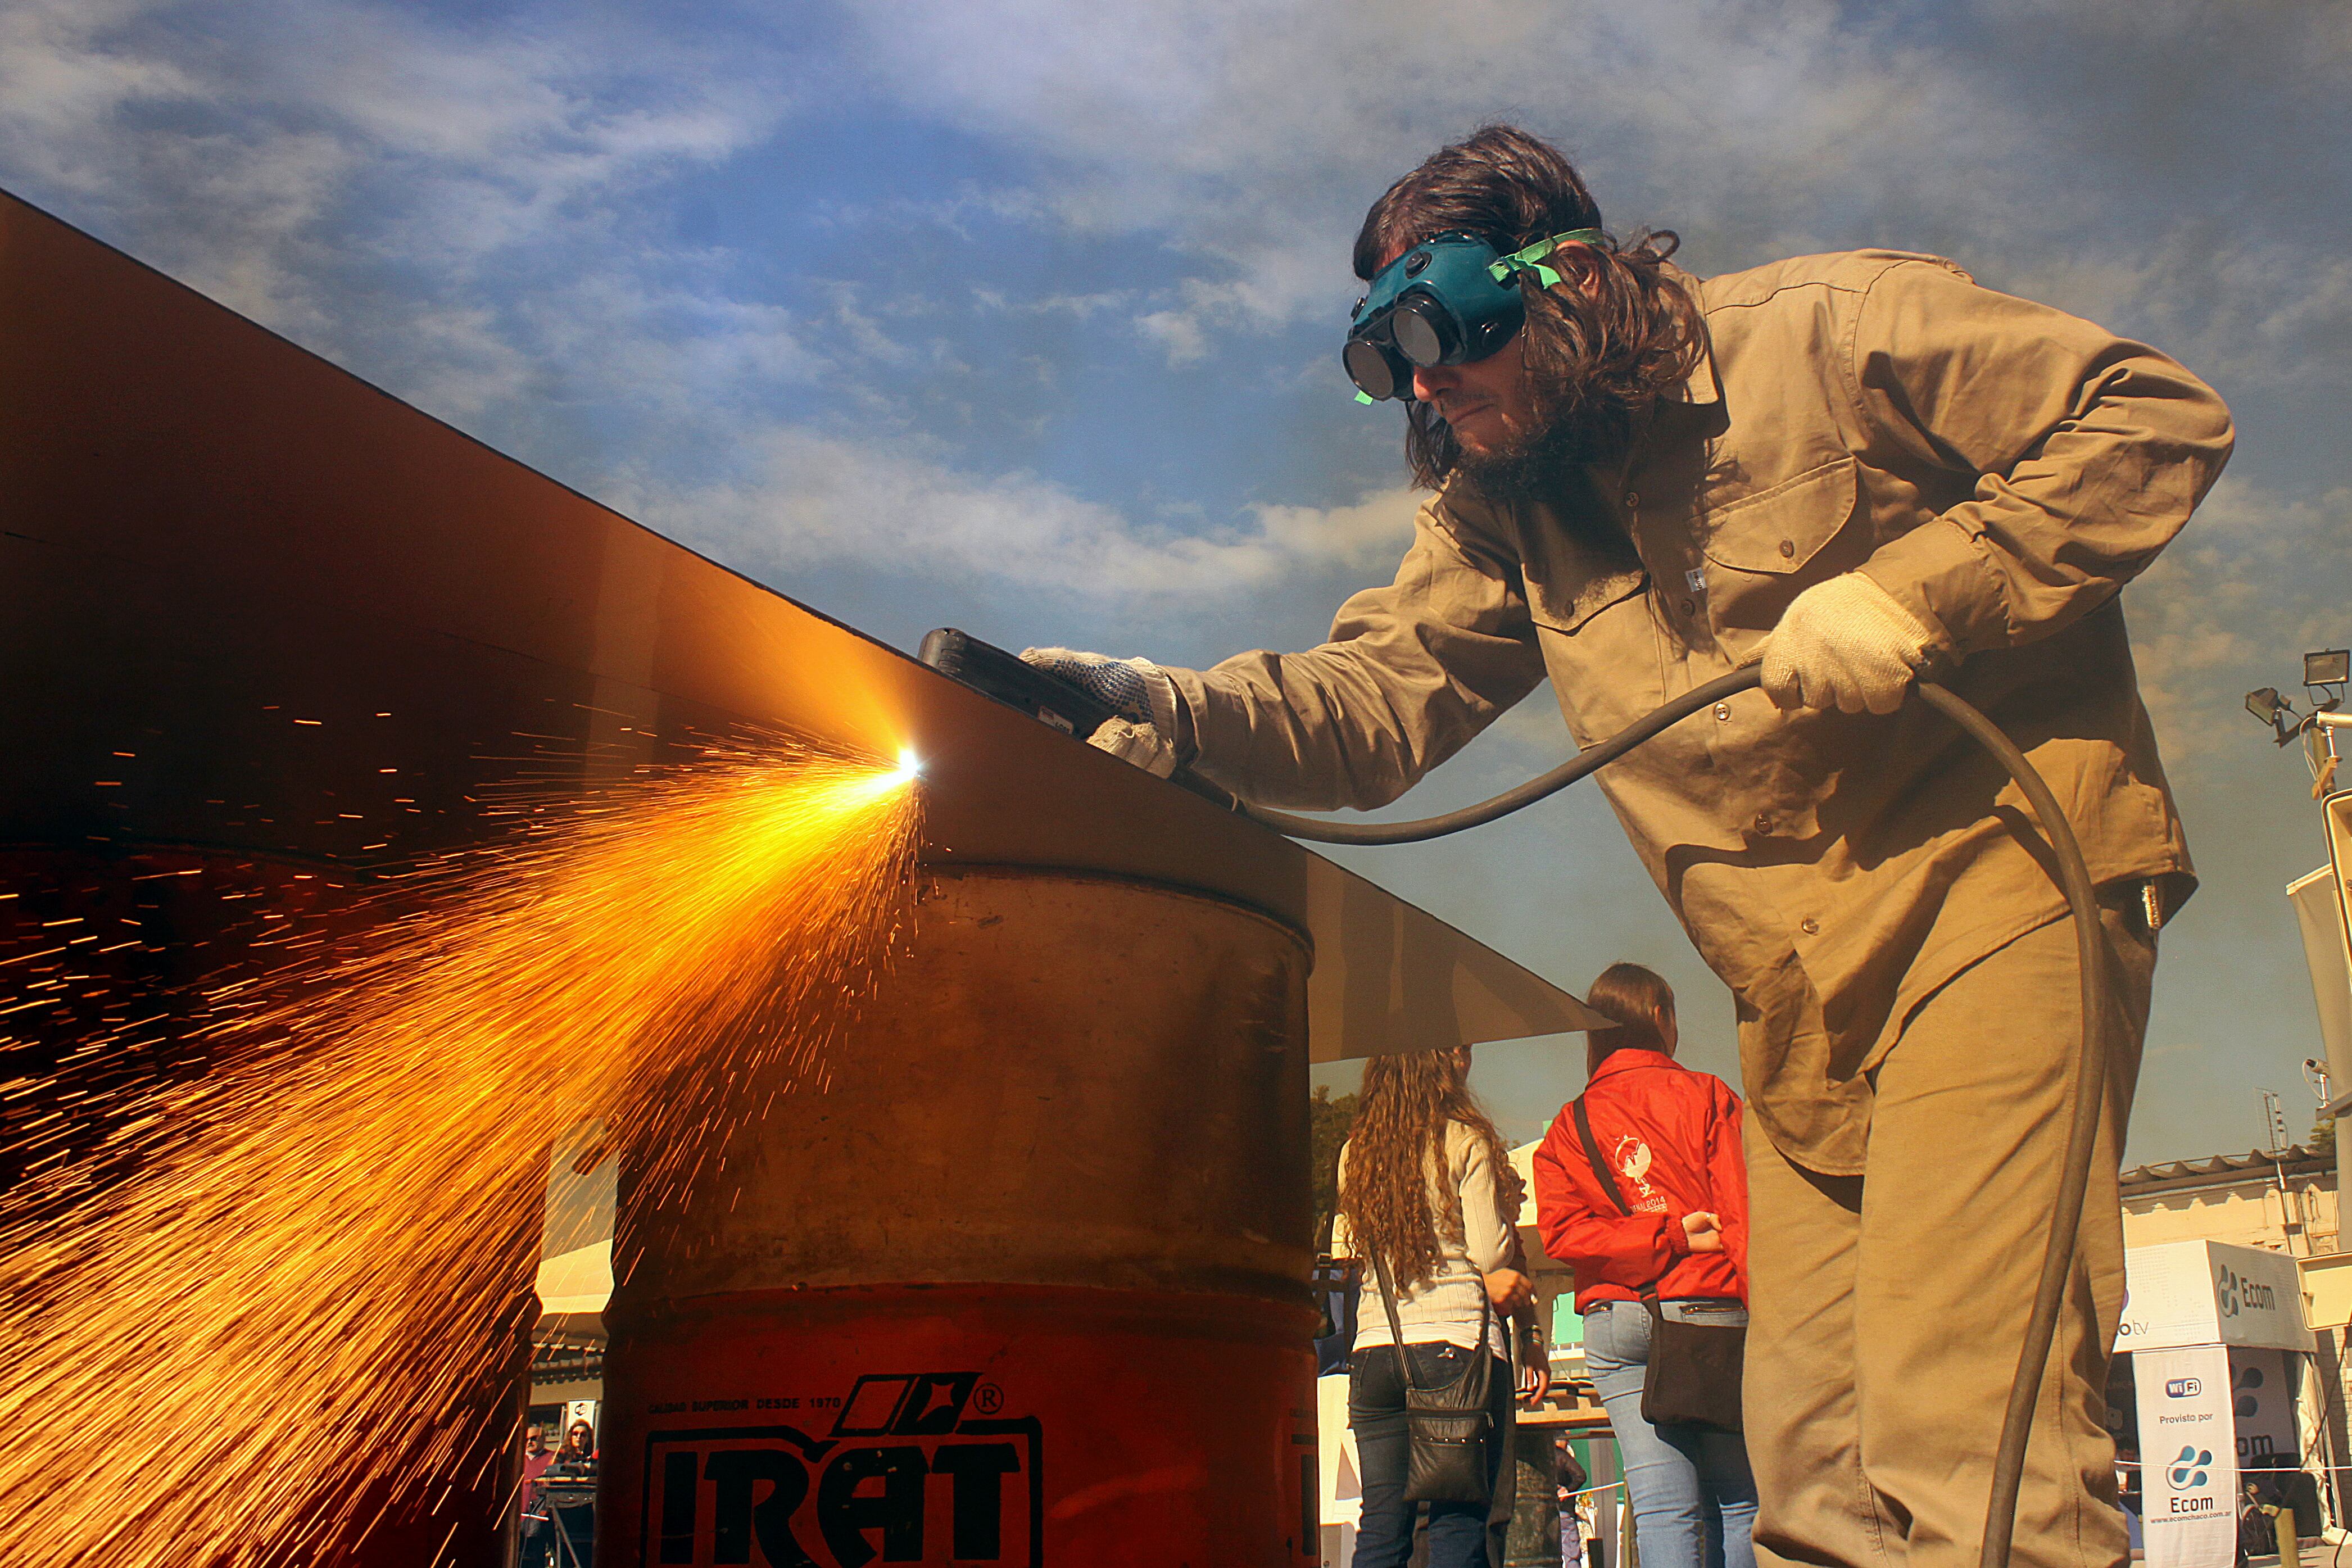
x: 1573, y: 426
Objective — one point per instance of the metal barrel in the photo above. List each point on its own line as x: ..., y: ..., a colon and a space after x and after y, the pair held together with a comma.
x: 1024, y: 1282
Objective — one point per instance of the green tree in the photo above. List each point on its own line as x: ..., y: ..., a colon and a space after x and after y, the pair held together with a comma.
x: 2323, y: 1136
x: 1329, y: 1122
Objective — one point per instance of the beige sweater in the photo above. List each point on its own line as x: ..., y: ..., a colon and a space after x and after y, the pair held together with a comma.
x: 1445, y: 1309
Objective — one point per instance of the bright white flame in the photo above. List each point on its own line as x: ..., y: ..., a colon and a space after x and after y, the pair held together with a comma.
x: 910, y: 766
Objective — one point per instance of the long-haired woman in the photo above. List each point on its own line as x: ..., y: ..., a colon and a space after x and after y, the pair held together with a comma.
x: 575, y: 1523
x: 579, y: 1445
x: 1426, y: 1188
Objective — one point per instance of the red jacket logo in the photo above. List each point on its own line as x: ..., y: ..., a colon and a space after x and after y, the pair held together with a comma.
x: 1633, y: 1164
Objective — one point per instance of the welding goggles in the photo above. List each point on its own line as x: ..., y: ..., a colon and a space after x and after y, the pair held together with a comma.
x: 1448, y: 300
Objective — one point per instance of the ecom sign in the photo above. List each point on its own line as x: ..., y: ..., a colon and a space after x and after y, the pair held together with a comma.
x: 2189, y: 1462
x: 2234, y: 1293
x: 2190, y: 1479
x: 2182, y: 1293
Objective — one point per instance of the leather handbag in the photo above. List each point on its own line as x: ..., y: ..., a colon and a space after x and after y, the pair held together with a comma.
x: 1692, y: 1378
x: 1448, y: 1427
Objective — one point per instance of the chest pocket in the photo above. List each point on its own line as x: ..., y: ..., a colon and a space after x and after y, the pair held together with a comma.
x: 1762, y: 549
x: 1779, y: 531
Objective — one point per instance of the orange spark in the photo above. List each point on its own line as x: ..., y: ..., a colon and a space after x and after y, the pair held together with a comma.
x: 323, y: 1235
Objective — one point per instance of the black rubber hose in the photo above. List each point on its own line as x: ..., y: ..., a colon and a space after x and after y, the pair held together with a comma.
x: 2081, y: 1134
x: 1320, y: 830
x: 2073, y: 876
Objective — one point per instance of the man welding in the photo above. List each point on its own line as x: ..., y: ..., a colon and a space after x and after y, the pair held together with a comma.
x: 1854, y: 468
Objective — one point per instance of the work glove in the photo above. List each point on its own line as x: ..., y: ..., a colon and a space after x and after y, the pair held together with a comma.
x: 1136, y: 690
x: 1845, y: 644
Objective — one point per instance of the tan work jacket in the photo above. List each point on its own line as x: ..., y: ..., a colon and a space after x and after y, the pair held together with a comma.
x: 2000, y: 467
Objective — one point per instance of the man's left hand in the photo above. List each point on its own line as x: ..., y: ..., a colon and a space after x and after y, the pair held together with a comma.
x: 1845, y: 644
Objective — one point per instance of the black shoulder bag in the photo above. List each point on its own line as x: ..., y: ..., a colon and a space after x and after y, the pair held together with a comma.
x: 1695, y: 1368
x: 1447, y: 1426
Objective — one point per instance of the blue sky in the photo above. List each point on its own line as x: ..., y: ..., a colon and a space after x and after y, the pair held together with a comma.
x: 1022, y: 315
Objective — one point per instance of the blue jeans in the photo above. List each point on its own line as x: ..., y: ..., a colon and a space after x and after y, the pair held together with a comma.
x: 1693, y: 1498
x: 1458, y: 1530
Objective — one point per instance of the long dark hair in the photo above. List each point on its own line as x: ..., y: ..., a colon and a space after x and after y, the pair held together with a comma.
x: 1639, y: 1002
x: 1599, y: 350
x: 1398, y: 1141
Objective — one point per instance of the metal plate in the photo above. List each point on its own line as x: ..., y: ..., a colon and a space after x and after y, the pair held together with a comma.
x: 270, y: 582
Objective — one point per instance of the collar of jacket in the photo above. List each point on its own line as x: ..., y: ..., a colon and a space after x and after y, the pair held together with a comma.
x: 1632, y: 1058
x: 1698, y: 410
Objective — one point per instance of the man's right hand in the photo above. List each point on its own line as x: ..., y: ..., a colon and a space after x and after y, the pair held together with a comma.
x: 1704, y: 1230
x: 1137, y: 690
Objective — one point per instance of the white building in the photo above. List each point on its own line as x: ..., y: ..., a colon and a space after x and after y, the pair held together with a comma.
x: 2215, y: 1224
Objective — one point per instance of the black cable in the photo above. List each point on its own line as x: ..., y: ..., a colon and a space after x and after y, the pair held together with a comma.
x: 2082, y: 1134
x: 1321, y: 831
x: 2073, y: 878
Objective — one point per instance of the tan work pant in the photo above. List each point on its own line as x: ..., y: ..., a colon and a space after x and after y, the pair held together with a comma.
x: 1888, y: 1309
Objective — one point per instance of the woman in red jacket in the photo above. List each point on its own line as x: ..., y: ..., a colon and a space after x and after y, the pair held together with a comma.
x: 1671, y: 1137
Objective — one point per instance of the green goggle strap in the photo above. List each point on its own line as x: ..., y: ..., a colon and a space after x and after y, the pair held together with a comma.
x: 1531, y: 260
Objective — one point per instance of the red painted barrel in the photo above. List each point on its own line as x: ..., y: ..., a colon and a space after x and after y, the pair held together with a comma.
x: 1025, y: 1285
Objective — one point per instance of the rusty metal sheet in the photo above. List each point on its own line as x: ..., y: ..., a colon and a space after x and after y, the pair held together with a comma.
x: 271, y: 583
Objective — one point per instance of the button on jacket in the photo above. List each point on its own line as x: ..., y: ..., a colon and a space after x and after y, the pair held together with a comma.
x: 1671, y: 1138
x: 2000, y: 467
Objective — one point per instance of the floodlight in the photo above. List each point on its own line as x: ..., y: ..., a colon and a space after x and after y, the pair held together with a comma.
x: 2332, y: 667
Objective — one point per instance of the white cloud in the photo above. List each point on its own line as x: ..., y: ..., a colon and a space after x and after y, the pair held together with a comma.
x: 279, y: 117
x: 1178, y: 332
x: 813, y: 501
x: 1253, y: 137
x: 2255, y: 579
x: 1079, y: 306
x: 466, y: 363
x: 1256, y: 135
x: 2265, y: 315
x: 57, y: 85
